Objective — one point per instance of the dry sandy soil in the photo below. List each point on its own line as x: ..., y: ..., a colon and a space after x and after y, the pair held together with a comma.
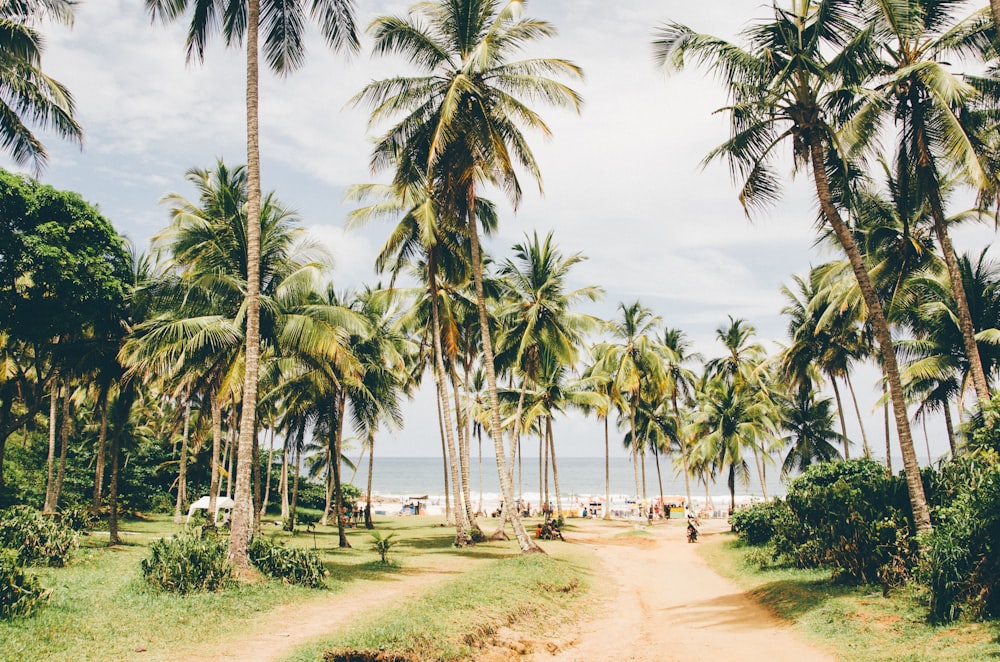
x: 667, y: 604
x: 662, y: 603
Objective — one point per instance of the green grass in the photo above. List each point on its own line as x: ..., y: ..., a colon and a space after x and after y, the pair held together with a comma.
x: 101, y: 608
x: 853, y: 623
x: 455, y: 620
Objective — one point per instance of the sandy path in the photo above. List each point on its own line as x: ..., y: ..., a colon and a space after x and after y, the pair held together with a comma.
x: 669, y: 605
x: 275, y: 634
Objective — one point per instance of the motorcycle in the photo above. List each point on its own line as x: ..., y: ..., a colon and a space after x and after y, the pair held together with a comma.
x: 692, y: 530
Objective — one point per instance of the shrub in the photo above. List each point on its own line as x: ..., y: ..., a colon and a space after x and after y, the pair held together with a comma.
x: 188, y: 562
x: 37, y: 539
x: 382, y: 545
x: 78, y: 518
x: 755, y: 525
x: 289, y: 564
x: 20, y: 593
x: 850, y: 516
x: 960, y: 563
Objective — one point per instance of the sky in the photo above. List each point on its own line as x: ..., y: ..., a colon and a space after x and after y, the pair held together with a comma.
x: 624, y: 183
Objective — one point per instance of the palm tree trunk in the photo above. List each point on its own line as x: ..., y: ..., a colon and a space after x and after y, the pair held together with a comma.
x: 48, y: 506
x: 888, y: 433
x: 215, y: 403
x: 524, y: 541
x: 243, y: 512
x: 948, y: 427
x: 555, y: 470
x: 371, y: 469
x: 64, y: 427
x: 918, y: 500
x: 102, y: 451
x: 267, y: 482
x: 607, y: 471
x: 284, y: 476
x: 840, y: 413
x: 463, y: 452
x: 116, y: 446
x: 543, y: 439
x: 290, y: 523
x: 479, y: 437
x: 444, y: 459
x: 731, y: 483
x: 635, y: 463
x: 337, y: 487
x: 684, y: 450
x: 182, y: 470
x: 954, y: 275
x: 760, y: 471
x: 328, y: 485
x: 462, y: 538
x: 927, y: 442
x: 229, y: 459
x: 857, y: 411
x: 659, y: 480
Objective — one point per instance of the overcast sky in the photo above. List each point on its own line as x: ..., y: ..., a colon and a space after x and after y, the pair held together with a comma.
x: 623, y: 181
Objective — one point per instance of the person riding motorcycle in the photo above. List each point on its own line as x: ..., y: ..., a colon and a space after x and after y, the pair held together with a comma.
x: 692, y: 527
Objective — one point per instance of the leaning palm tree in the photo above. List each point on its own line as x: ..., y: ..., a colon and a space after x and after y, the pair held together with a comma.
x: 793, y: 80
x: 282, y: 22
x: 27, y: 95
x: 462, y: 126
x: 925, y: 100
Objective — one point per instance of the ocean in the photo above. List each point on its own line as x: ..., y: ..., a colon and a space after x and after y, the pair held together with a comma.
x: 579, y: 477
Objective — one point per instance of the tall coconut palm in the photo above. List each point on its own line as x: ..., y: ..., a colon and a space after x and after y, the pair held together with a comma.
x: 27, y: 95
x: 680, y: 388
x: 634, y: 362
x: 283, y: 25
x: 537, y: 321
x: 925, y: 99
x: 793, y: 81
x: 461, y: 126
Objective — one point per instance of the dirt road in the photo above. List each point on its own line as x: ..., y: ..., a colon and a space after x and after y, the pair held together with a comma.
x: 667, y: 604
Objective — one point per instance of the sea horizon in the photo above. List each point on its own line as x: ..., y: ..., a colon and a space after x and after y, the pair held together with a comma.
x: 579, y: 477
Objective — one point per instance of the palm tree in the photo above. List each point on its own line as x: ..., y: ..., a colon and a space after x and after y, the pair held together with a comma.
x: 680, y: 386
x: 27, y: 95
x: 731, y: 420
x: 462, y: 126
x: 634, y: 362
x: 284, y: 51
x: 926, y: 100
x: 793, y: 81
x: 808, y: 424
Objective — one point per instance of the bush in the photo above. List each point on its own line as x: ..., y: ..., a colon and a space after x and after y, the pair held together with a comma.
x: 36, y: 538
x: 960, y: 563
x: 20, y: 593
x: 850, y: 516
x: 188, y: 562
x: 289, y: 564
x: 78, y: 518
x: 755, y: 525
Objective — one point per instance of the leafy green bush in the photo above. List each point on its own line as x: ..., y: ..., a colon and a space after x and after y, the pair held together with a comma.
x: 20, y: 593
x: 289, y: 564
x: 78, y: 518
x: 188, y: 562
x: 755, y: 525
x: 850, y: 516
x: 960, y: 563
x: 36, y: 538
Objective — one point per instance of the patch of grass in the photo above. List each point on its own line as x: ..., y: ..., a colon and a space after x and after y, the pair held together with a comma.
x: 456, y: 619
x: 853, y: 623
